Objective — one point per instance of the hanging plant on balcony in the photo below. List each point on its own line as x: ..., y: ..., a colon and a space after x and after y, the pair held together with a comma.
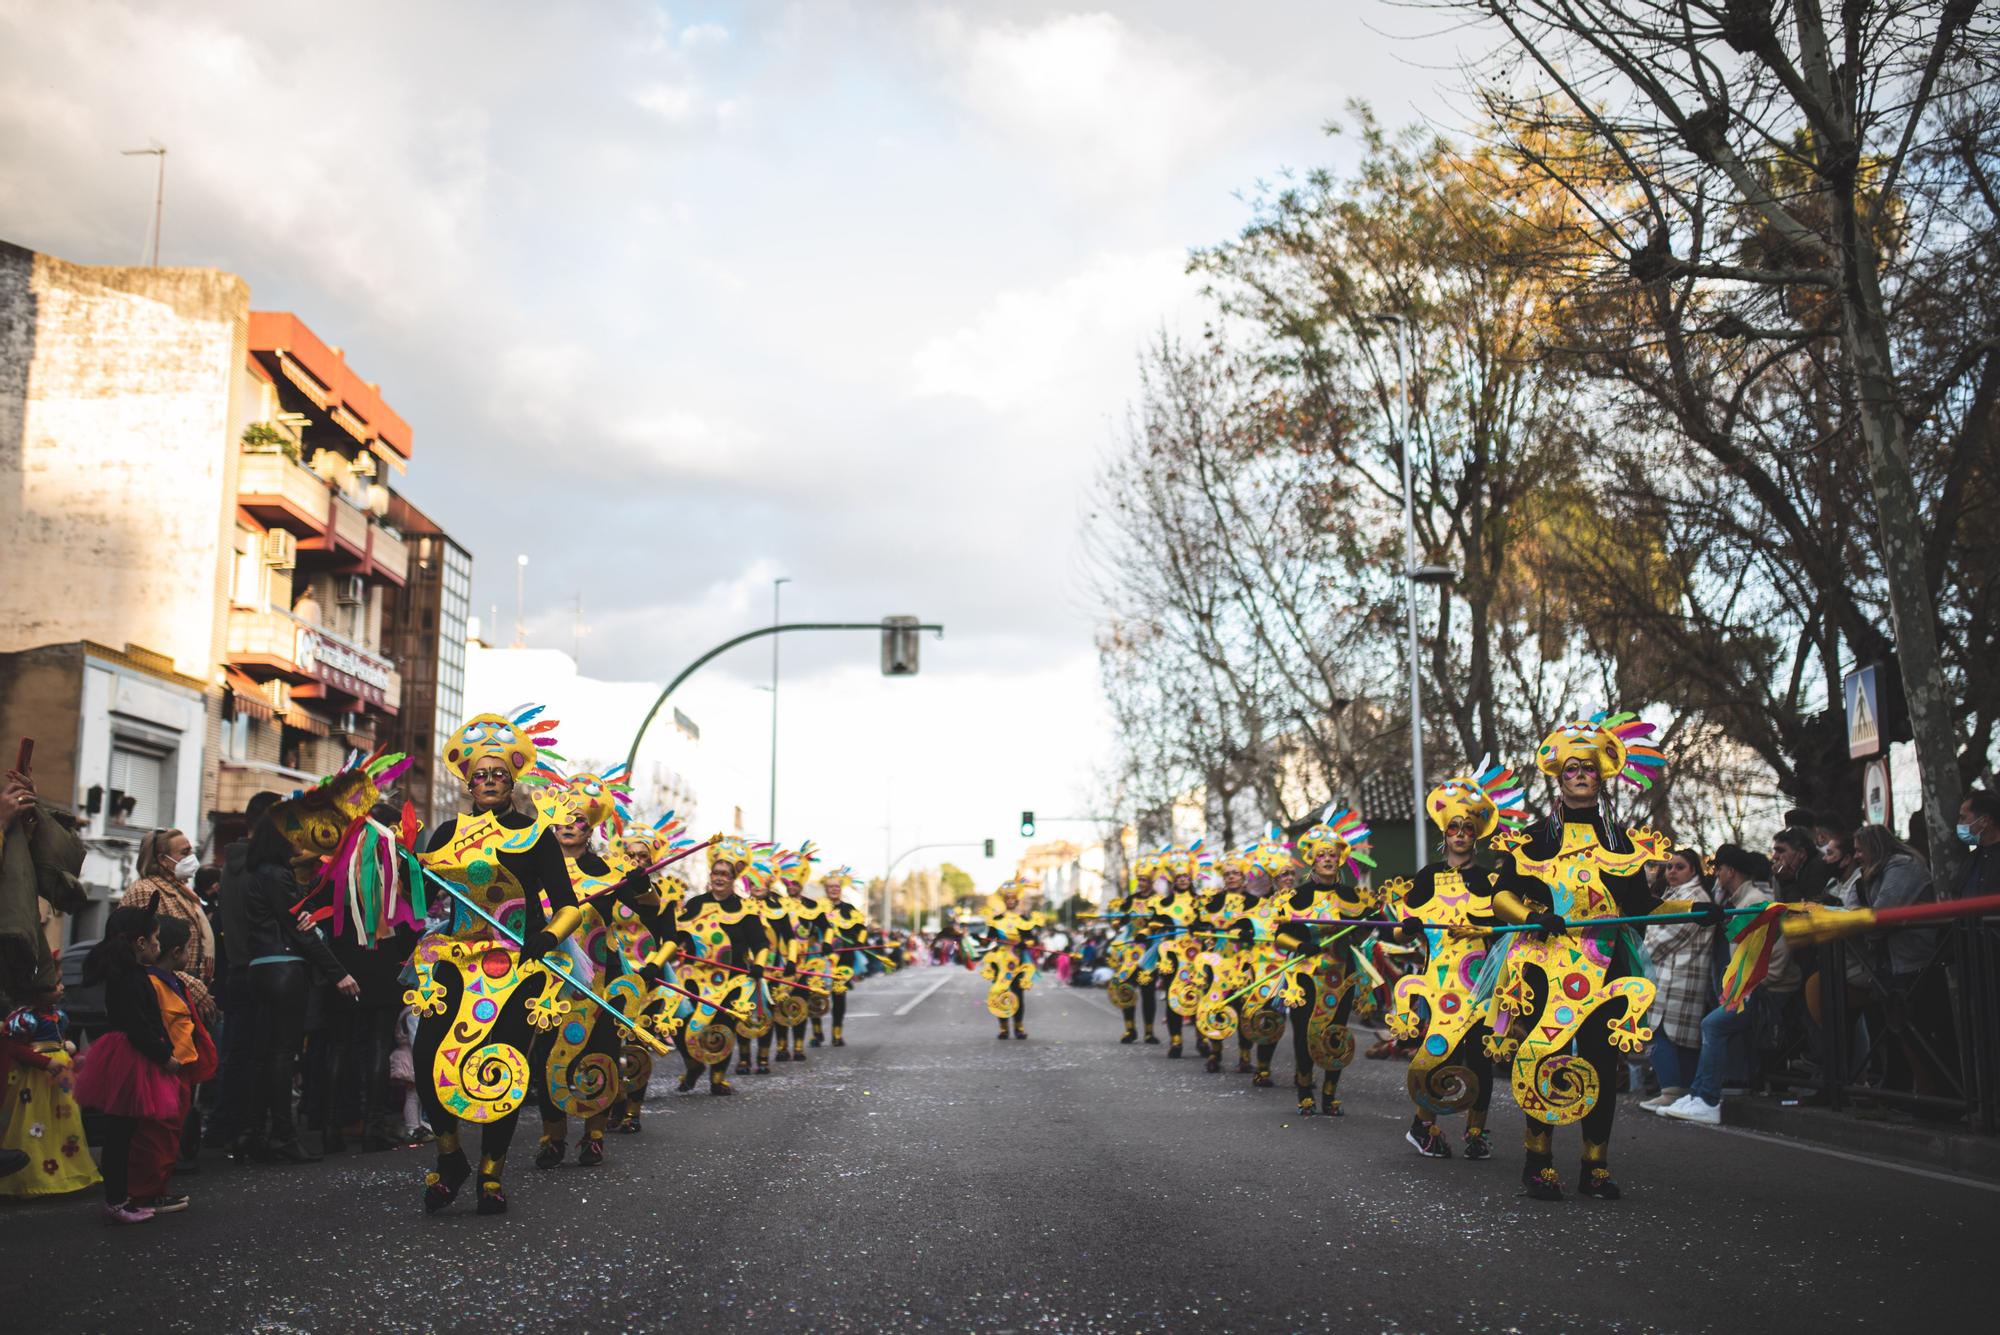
x: 263, y: 438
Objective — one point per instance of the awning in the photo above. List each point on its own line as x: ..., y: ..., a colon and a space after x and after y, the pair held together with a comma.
x: 248, y: 697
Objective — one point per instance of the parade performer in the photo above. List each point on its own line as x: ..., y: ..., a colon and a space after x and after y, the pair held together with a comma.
x: 1132, y: 987
x: 480, y: 998
x: 577, y: 1063
x: 723, y: 936
x: 1327, y: 964
x: 1447, y: 906
x: 1172, y: 946
x: 844, y: 932
x: 1008, y: 963
x: 777, y: 1003
x: 804, y: 953
x: 1259, y: 1001
x: 645, y: 951
x: 1218, y: 1018
x: 1565, y: 1002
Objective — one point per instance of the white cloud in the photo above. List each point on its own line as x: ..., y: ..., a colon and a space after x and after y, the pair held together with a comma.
x: 1080, y: 332
x: 698, y: 35
x: 1111, y: 107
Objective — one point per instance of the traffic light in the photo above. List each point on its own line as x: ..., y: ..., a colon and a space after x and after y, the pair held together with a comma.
x: 989, y: 848
x: 899, y: 646
x: 1027, y: 825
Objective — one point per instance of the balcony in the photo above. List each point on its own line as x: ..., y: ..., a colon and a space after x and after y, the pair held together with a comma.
x: 265, y: 641
x: 391, y: 556
x: 282, y: 493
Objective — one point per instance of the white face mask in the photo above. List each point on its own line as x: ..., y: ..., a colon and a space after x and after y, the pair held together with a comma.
x: 185, y: 869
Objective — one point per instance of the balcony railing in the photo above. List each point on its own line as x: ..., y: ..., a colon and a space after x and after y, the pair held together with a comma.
x: 282, y: 492
x: 392, y: 555
x: 264, y: 637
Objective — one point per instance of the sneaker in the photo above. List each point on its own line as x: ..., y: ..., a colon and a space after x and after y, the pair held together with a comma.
x: 1428, y: 1140
x: 126, y: 1213
x: 167, y: 1204
x: 591, y: 1153
x: 1694, y: 1108
x: 1666, y: 1098
x: 1152, y: 1038
x: 1477, y: 1146
x: 1131, y: 1036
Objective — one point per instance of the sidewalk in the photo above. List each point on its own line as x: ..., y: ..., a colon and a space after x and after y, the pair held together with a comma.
x: 1951, y: 1148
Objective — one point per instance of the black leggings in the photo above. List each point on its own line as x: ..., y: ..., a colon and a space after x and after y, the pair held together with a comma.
x: 1149, y: 1002
x: 280, y: 1022
x: 839, y: 1009
x: 116, y: 1162
x: 1302, y: 1016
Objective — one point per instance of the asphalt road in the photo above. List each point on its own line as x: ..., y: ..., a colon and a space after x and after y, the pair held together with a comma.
x: 929, y: 1177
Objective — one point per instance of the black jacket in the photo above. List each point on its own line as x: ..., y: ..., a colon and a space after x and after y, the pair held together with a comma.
x: 258, y: 920
x: 132, y: 1007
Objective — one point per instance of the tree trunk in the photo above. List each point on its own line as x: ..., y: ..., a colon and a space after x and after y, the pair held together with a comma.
x: 1866, y: 335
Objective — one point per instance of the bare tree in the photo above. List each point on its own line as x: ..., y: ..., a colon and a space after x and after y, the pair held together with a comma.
x: 1788, y: 180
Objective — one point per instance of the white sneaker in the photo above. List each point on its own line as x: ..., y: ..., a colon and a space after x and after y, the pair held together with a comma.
x: 1666, y: 1098
x: 1694, y: 1109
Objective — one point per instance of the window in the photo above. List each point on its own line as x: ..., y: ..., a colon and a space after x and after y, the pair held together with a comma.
x: 236, y: 738
x: 246, y: 571
x: 143, y: 773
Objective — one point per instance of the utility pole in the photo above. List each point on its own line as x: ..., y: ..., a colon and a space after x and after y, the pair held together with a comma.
x: 1413, y: 575
x: 159, y: 188
x: 777, y: 591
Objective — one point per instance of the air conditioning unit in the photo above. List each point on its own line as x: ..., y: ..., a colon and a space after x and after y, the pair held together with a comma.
x: 352, y: 591
x: 281, y: 549
x: 278, y: 694
x: 351, y: 722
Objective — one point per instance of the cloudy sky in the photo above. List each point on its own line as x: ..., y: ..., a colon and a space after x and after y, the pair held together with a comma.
x: 681, y: 298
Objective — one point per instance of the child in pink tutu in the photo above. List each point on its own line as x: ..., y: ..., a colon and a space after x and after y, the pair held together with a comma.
x: 129, y: 1075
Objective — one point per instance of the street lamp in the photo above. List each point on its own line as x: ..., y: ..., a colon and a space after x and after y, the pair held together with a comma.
x: 1413, y: 574
x: 521, y: 601
x: 777, y: 589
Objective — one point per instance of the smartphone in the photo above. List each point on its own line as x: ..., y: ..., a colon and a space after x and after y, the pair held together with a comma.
x: 26, y: 758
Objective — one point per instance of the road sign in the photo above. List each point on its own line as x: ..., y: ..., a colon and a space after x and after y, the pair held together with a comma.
x: 1876, y: 808
x: 1863, y: 689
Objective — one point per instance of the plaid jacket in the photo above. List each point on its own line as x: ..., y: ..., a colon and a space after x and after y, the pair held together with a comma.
x: 1683, y: 955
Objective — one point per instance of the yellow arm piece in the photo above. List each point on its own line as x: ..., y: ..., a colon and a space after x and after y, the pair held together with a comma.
x: 564, y: 922
x: 1510, y: 907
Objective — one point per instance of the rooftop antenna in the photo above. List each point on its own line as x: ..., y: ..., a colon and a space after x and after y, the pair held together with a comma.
x: 159, y: 188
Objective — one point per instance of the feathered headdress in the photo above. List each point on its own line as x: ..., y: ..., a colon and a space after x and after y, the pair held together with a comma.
x: 1618, y: 744
x: 1342, y: 833
x: 523, y: 740
x: 1489, y: 797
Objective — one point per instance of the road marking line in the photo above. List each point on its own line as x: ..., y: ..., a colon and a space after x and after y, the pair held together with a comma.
x: 911, y: 1004
x: 1870, y: 1160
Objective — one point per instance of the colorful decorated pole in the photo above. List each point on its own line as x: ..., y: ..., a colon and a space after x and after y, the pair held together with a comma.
x: 1815, y: 922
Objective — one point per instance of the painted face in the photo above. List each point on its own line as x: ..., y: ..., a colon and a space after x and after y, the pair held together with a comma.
x: 492, y: 785
x: 1232, y: 878
x: 1580, y: 782
x: 722, y: 876
x: 1183, y: 881
x: 1460, y: 834
x: 573, y: 836
x: 1326, y: 865
x: 1011, y: 900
